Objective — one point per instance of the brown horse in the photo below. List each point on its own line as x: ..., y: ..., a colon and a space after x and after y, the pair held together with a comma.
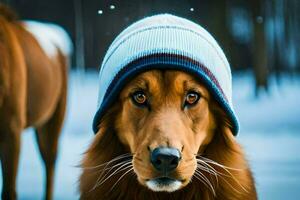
x: 33, y: 90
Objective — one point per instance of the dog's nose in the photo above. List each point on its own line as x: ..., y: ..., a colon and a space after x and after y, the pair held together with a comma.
x: 165, y: 159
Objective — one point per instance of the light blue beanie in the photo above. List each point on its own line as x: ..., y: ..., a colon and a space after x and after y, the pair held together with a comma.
x: 165, y: 41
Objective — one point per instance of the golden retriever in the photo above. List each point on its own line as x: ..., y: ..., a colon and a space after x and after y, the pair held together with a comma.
x: 165, y: 137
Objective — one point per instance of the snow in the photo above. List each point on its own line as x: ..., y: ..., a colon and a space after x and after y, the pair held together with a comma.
x: 50, y: 37
x: 277, y: 111
x: 270, y: 135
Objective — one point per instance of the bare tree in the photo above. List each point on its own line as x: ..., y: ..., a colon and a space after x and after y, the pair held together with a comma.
x: 260, y: 64
x: 79, y: 36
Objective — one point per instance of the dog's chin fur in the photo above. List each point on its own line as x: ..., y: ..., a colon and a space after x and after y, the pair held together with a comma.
x: 157, y: 187
x: 222, y: 149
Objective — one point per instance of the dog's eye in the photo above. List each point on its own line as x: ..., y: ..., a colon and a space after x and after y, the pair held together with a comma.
x: 139, y: 98
x: 192, y: 98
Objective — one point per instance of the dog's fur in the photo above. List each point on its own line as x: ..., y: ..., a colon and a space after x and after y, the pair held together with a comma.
x: 33, y: 91
x: 212, y: 165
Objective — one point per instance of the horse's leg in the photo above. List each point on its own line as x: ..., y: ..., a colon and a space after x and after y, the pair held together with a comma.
x: 47, y: 137
x: 12, y: 123
x: 9, y: 153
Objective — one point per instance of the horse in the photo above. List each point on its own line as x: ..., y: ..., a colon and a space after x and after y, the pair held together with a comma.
x: 34, y: 59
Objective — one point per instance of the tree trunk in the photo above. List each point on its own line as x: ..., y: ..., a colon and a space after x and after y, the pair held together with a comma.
x: 259, y: 49
x: 79, y: 36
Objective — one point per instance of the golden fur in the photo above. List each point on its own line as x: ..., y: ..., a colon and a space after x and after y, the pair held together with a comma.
x: 32, y: 93
x: 212, y: 165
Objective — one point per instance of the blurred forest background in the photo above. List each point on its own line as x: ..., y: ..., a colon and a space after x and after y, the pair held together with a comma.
x: 257, y: 35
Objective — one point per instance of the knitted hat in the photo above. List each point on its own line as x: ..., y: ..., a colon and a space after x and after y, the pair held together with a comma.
x: 165, y: 41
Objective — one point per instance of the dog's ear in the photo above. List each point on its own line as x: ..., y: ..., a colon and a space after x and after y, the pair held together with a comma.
x: 228, y: 136
x: 220, y: 116
x: 223, y: 146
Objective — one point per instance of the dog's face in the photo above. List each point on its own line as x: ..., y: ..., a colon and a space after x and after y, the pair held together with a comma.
x: 165, y: 121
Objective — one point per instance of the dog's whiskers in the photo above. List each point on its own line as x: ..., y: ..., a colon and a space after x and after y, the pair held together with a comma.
x: 115, y: 172
x: 218, y: 174
x: 102, y: 179
x: 104, y: 176
x: 209, y: 168
x: 123, y: 156
x: 207, y: 162
x: 119, y: 168
x: 130, y: 170
x: 218, y: 164
x: 211, y: 172
x: 114, y: 166
x: 201, y: 177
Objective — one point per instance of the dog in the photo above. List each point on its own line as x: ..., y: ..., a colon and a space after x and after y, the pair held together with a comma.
x: 165, y: 138
x: 33, y: 83
x: 165, y: 123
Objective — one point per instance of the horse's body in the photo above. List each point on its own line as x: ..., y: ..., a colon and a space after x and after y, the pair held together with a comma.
x: 33, y: 87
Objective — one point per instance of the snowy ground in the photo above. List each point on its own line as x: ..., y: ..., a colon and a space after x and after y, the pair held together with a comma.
x: 270, y: 134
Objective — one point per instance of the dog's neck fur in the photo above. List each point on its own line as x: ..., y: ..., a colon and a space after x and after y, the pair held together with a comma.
x: 223, y: 149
